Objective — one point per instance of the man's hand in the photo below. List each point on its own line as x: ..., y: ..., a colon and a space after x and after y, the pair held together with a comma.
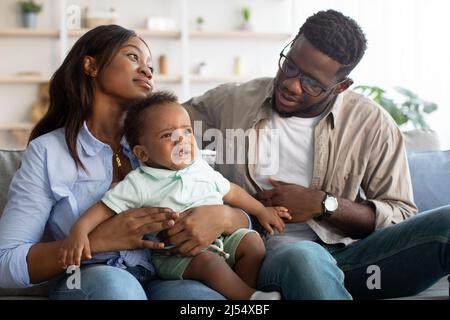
x: 303, y: 203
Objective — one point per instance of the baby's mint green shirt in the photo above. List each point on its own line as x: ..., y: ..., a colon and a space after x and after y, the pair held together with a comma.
x: 196, y: 185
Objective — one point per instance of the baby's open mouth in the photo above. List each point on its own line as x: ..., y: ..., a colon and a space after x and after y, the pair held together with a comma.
x: 184, y: 152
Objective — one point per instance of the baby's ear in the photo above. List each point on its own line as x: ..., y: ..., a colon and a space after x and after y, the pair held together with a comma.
x: 140, y: 153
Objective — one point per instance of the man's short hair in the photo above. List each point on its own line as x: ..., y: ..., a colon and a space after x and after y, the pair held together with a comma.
x: 134, y: 121
x: 337, y: 36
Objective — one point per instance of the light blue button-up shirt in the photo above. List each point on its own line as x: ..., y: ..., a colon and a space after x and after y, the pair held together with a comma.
x: 48, y: 190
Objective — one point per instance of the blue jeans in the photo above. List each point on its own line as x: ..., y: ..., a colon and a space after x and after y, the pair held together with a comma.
x: 103, y: 282
x: 411, y: 257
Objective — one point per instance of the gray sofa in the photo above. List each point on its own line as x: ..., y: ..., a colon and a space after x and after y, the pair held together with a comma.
x: 430, y: 171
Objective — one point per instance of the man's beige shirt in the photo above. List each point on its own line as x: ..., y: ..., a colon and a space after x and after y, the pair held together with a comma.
x: 359, y: 152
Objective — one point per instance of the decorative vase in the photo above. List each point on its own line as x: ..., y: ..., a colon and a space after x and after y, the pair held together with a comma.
x: 247, y: 26
x: 29, y: 19
x: 162, y: 62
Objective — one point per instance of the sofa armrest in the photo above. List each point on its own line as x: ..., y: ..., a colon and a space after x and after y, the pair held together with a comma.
x: 430, y: 176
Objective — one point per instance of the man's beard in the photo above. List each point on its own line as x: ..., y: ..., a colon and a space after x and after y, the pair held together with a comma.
x: 323, y: 105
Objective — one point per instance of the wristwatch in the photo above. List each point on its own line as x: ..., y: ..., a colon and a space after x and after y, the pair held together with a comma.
x: 329, y: 205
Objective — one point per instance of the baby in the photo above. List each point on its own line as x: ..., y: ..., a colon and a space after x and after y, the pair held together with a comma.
x: 171, y: 175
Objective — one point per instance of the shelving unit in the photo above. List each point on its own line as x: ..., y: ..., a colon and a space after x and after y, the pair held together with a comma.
x: 140, y: 32
x: 20, y: 126
x: 239, y: 34
x: 35, y: 79
x: 217, y: 78
x: 182, y: 78
x: 23, y: 79
x: 25, y: 32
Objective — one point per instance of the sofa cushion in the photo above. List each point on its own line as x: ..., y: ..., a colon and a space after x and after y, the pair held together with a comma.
x: 430, y: 175
x: 9, y: 163
x: 422, y: 140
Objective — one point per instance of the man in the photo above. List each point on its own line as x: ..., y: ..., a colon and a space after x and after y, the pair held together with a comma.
x: 340, y: 169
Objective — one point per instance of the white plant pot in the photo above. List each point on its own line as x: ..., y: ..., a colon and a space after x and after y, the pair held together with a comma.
x: 246, y: 25
x: 29, y: 19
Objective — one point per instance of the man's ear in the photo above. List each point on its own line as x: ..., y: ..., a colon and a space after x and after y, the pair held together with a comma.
x: 343, y: 86
x: 90, y: 66
x: 140, y: 153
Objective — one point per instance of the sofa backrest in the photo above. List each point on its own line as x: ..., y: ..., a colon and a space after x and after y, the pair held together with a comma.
x: 430, y: 175
x: 9, y: 163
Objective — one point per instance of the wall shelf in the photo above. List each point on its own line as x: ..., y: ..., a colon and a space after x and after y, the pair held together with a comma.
x: 234, y: 34
x: 19, y: 126
x: 195, y: 78
x: 23, y: 79
x: 28, y: 32
x: 30, y: 79
x: 141, y: 32
x: 158, y: 78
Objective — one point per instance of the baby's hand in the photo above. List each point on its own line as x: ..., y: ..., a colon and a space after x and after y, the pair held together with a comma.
x: 73, y: 248
x: 282, y: 212
x: 270, y: 218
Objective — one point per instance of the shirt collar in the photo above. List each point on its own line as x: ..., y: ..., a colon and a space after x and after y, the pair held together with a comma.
x: 161, y: 174
x: 265, y: 112
x: 335, y: 110
x: 92, y: 146
x: 337, y: 107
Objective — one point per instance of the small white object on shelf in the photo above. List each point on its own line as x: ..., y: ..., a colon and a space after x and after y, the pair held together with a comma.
x: 202, y: 69
x: 94, y: 18
x: 155, y: 23
x: 238, y: 66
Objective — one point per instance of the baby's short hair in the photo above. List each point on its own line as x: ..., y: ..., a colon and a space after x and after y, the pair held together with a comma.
x: 134, y: 125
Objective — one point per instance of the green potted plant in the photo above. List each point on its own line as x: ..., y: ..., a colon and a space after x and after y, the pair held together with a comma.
x: 246, y: 15
x: 199, y: 23
x: 29, y: 10
x: 408, y: 108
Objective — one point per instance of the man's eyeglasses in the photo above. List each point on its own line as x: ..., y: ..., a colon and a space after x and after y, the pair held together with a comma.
x: 312, y: 87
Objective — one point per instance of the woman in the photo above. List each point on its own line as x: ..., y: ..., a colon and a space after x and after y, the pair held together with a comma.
x: 75, y: 153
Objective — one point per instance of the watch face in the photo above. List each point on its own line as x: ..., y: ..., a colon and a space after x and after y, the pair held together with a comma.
x: 331, y: 204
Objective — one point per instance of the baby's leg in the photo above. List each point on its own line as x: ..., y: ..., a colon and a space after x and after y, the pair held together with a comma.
x: 249, y: 256
x: 212, y: 269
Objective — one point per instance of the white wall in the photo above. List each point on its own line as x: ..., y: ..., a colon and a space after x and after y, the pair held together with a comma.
x: 408, y: 46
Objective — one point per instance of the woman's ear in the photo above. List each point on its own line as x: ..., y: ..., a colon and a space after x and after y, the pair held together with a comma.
x: 140, y: 153
x: 90, y: 66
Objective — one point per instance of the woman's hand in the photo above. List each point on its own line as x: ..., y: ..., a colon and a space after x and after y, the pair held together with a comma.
x: 125, y: 231
x: 198, y: 227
